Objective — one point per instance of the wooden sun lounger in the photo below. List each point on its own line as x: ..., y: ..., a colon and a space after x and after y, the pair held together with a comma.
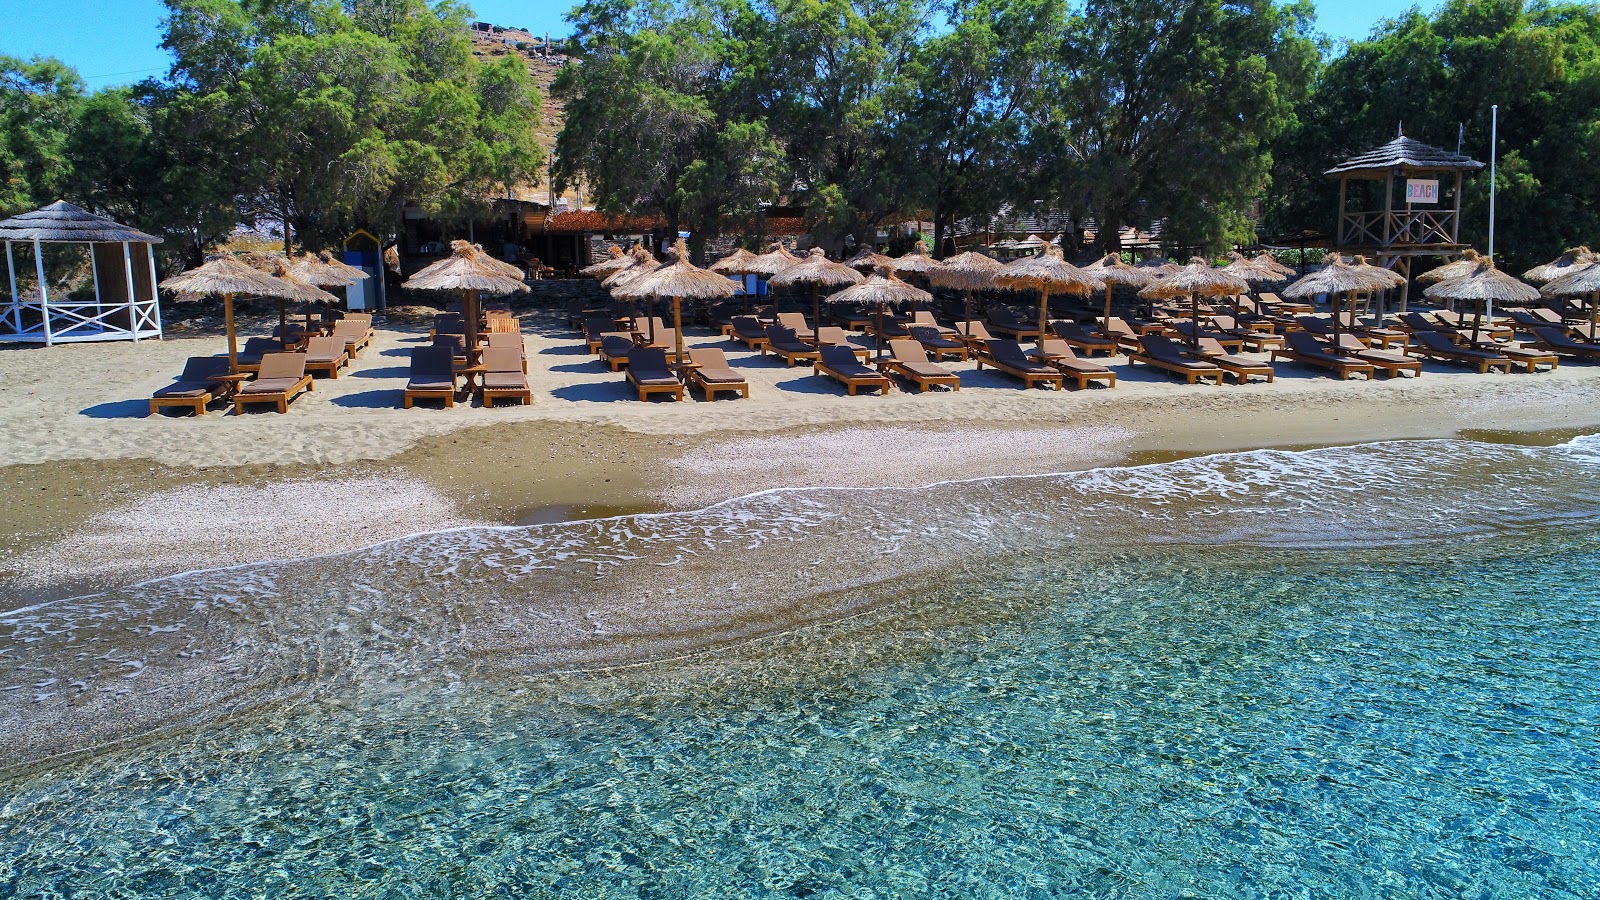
x: 1006, y: 355
x: 1559, y: 340
x: 842, y: 366
x: 1118, y: 330
x: 711, y: 373
x: 1079, y: 338
x: 749, y: 331
x: 508, y: 340
x: 281, y: 378
x: 615, y: 349
x: 1230, y: 343
x: 1241, y: 368
x: 924, y: 318
x: 1463, y: 325
x: 1284, y: 307
x: 1059, y: 356
x: 1152, y: 353
x: 1435, y: 345
x: 197, y: 385
x: 1377, y: 334
x: 254, y: 350
x: 935, y: 342
x: 972, y: 333
x: 354, y: 336
x: 1530, y: 359
x: 796, y: 322
x: 433, y: 376
x: 1304, y: 347
x: 909, y: 360
x: 1003, y: 321
x: 1390, y: 364
x: 1254, y: 339
x: 834, y: 336
x: 504, y: 378
x: 326, y: 355
x: 782, y: 341
x: 648, y: 371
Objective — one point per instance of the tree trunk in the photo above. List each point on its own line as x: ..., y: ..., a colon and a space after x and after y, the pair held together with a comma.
x: 283, y: 205
x: 938, y: 230
x: 697, y: 248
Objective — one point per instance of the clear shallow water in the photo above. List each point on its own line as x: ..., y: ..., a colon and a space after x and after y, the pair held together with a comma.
x: 1329, y: 705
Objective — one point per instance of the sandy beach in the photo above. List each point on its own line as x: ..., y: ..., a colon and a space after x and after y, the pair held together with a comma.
x: 100, y: 493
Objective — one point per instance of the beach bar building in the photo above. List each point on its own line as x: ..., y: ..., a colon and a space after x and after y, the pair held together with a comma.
x: 1401, y: 202
x: 122, y: 263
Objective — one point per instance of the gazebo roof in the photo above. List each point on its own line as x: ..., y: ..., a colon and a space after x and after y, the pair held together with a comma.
x: 63, y: 223
x: 1405, y: 153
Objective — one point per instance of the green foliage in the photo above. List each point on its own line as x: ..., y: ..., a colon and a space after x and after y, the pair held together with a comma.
x: 1438, y: 76
x: 39, y: 100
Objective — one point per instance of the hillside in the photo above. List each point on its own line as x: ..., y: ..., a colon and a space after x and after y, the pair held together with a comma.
x: 488, y: 43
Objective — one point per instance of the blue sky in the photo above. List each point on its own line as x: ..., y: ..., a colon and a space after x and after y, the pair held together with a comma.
x: 119, y: 41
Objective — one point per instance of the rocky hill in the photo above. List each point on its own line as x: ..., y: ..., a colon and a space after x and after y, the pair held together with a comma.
x: 543, y: 62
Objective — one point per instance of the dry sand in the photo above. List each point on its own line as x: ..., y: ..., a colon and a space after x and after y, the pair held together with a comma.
x: 97, y: 492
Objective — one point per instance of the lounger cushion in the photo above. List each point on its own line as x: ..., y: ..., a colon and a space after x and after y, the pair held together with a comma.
x: 269, y: 385
x: 504, y: 381
x: 183, y: 389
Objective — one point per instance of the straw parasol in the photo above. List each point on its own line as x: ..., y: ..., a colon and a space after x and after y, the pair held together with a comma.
x: 734, y: 263
x: 775, y: 260
x: 867, y: 260
x: 1484, y: 286
x: 1466, y: 265
x: 1573, y: 258
x: 878, y: 291
x: 1197, y: 279
x: 1048, y: 273
x: 1337, y: 277
x: 967, y: 272
x: 465, y: 270
x: 289, y: 286
x: 615, y: 259
x: 1113, y: 271
x: 640, y: 262
x: 915, y: 261
x: 818, y: 271
x: 487, y: 260
x: 1159, y: 265
x: 324, y: 271
x: 226, y: 276
x: 679, y: 279
x: 1579, y: 281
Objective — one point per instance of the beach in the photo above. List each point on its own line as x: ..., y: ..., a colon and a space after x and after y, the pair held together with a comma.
x: 102, y: 493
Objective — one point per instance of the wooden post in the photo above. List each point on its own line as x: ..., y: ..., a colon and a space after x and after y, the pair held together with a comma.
x: 1455, y: 226
x: 155, y: 292
x: 11, y: 272
x: 1343, y: 181
x: 133, y: 298
x: 1388, y: 209
x: 44, y: 293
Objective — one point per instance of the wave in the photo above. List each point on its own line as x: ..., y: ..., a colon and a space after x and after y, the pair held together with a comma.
x: 492, y: 602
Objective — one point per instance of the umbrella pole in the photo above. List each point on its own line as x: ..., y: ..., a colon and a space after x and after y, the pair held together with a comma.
x: 968, y: 323
x: 1334, y: 299
x: 1593, y: 298
x: 1477, y: 322
x: 1106, y: 321
x: 879, y: 330
x: 1044, y: 310
x: 233, y: 336
x: 470, y: 304
x: 677, y: 325
x: 283, y: 321
x: 1194, y: 311
x: 816, y: 309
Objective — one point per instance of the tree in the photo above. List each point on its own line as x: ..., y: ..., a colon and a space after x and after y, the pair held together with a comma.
x: 1161, y: 109
x: 39, y: 100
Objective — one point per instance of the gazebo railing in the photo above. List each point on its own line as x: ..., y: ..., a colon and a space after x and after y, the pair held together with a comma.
x: 72, y: 320
x: 1397, y: 227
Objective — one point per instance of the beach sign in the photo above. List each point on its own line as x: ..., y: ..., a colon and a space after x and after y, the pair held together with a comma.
x: 1422, y: 190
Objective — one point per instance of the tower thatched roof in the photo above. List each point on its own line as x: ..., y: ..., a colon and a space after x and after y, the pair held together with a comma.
x: 63, y: 223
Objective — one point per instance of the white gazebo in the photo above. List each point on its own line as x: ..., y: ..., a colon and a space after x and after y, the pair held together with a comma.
x: 124, y: 306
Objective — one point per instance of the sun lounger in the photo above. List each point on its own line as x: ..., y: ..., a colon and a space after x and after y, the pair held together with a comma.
x: 433, y: 376
x: 1118, y: 330
x: 909, y: 360
x: 1435, y: 345
x: 254, y: 349
x: 1536, y: 317
x: 924, y: 318
x: 942, y: 347
x: 1283, y: 307
x: 1463, y: 324
x: 711, y: 373
x: 796, y: 322
x: 1242, y: 368
x: 834, y: 336
x: 842, y: 366
x: 198, y: 384
x: 749, y: 331
x: 973, y: 333
x: 1158, y: 352
x: 784, y: 342
x: 1559, y: 340
x: 1257, y: 339
x: 1003, y: 321
x: 1387, y: 362
x: 596, y: 327
x: 648, y: 371
x: 447, y: 323
x: 326, y: 355
x: 1415, y: 322
x: 1304, y: 347
x: 1080, y: 338
x: 1376, y: 334
x: 615, y: 349
x: 507, y: 340
x: 1530, y: 359
x: 281, y: 378
x: 1006, y: 355
x: 1229, y: 343
x: 852, y: 318
x: 503, y: 378
x: 1059, y: 356
x: 354, y: 336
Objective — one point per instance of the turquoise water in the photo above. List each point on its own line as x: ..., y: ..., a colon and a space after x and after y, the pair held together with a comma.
x: 1357, y: 672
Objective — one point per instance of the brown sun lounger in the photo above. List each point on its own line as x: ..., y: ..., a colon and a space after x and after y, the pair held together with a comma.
x: 326, y: 355
x: 433, y: 376
x: 924, y: 318
x: 1255, y: 339
x: 935, y: 342
x: 782, y: 341
x: 353, y: 334
x: 1156, y: 351
x: 1463, y: 324
x: 595, y: 328
x: 198, y: 384
x: 1436, y: 345
x: 1059, y: 356
x: 1382, y: 336
x: 834, y: 336
x: 503, y: 378
x: 281, y: 378
x: 711, y: 373
x: 973, y: 334
x: 1006, y: 355
x: 796, y: 322
x: 1004, y: 322
x: 1537, y: 317
x: 1118, y: 330
x: 615, y: 349
x: 1559, y: 340
x: 1530, y: 359
x: 1230, y: 343
x: 842, y: 366
x: 254, y: 349
x: 909, y: 359
x: 749, y: 331
x: 1242, y: 368
x: 508, y: 340
x: 1385, y: 361
x: 1283, y: 307
x: 1305, y: 347
x: 1080, y: 338
x: 648, y: 371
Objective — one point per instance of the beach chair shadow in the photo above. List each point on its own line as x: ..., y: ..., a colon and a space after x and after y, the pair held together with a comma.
x: 596, y: 392
x: 382, y: 372
x: 587, y: 367
x: 379, y: 398
x: 402, y: 352
x: 565, y: 350
x: 118, y: 409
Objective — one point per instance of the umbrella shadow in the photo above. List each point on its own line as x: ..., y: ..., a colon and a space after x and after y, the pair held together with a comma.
x: 812, y: 384
x: 381, y: 372
x: 588, y: 367
x: 596, y: 392
x: 118, y: 409
x: 403, y: 352
x: 382, y: 398
x: 565, y: 350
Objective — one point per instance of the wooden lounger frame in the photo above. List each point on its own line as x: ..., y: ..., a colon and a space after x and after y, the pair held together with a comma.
x: 1190, y: 374
x: 1345, y: 366
x: 1029, y: 379
x: 281, y: 398
x: 852, y: 382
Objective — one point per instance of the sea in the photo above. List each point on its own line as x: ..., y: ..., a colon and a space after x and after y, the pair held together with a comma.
x: 1362, y: 671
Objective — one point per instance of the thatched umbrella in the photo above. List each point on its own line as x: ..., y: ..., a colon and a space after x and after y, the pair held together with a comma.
x: 1466, y: 265
x: 967, y: 272
x: 1574, y: 258
x: 868, y: 260
x: 226, y: 276
x: 736, y: 263
x: 1197, y: 279
x: 916, y: 261
x: 640, y: 262
x: 1337, y: 277
x: 1113, y: 271
x: 1159, y: 265
x: 324, y: 271
x: 878, y: 291
x: 1484, y: 285
x: 775, y: 260
x: 615, y: 259
x: 678, y: 279
x: 291, y: 287
x: 1579, y: 281
x: 818, y: 271
x: 1048, y: 273
x: 465, y: 270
